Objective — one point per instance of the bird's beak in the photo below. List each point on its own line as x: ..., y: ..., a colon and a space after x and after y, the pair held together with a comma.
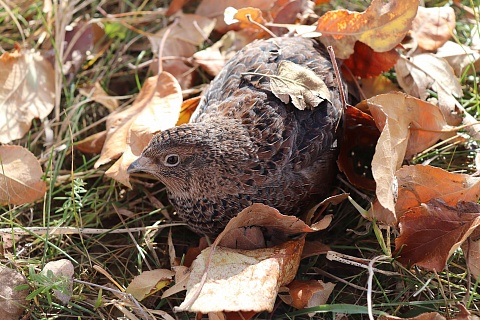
x: 141, y: 164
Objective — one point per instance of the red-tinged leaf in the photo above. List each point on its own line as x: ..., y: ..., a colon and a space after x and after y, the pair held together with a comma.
x: 366, y: 63
x: 175, y: 6
x: 307, y: 293
x: 358, y: 147
x: 92, y: 144
x: 431, y: 232
x: 382, y: 26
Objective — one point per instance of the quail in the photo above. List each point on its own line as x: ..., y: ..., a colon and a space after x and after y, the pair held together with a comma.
x: 243, y: 145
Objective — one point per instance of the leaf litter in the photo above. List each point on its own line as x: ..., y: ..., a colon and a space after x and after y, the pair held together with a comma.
x: 413, y: 198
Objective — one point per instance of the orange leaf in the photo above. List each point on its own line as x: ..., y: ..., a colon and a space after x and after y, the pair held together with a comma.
x: 366, y: 63
x: 244, y: 15
x: 382, y: 26
x: 188, y: 107
x: 430, y: 233
x: 305, y: 294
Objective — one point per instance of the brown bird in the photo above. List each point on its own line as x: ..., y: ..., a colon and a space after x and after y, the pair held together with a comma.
x: 244, y: 145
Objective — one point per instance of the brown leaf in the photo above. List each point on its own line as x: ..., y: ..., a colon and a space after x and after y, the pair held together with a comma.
x: 27, y: 91
x: 306, y: 294
x: 244, y: 15
x: 20, y: 176
x: 303, y: 86
x: 408, y: 126
x: 431, y: 232
x: 189, y: 32
x: 214, y: 58
x: 471, y: 250
x: 459, y: 57
x: 156, y: 108
x: 358, y: 147
x: 366, y: 63
x: 382, y: 26
x: 149, y: 282
x: 418, y: 73
x: 175, y: 6
x: 97, y: 94
x: 432, y: 27
x: 92, y: 144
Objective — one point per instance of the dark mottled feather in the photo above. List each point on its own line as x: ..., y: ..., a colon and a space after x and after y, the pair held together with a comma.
x: 244, y: 145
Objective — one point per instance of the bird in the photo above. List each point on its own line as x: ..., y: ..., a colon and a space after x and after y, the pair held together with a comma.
x: 244, y: 145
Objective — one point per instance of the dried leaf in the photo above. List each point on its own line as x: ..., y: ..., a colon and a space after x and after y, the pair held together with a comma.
x: 188, y: 108
x: 418, y: 73
x: 379, y: 85
x: 244, y: 15
x: 430, y: 233
x: 292, y: 81
x: 12, y: 301
x: 471, y: 250
x: 189, y: 32
x: 149, y: 282
x: 408, y: 126
x: 214, y: 58
x: 366, y: 63
x: 241, y: 280
x: 432, y: 27
x: 26, y: 92
x: 156, y: 108
x: 97, y: 94
x: 306, y: 294
x: 423, y: 316
x: 459, y: 57
x: 358, y: 147
x: 92, y: 144
x: 62, y: 268
x: 214, y: 9
x: 20, y: 176
x: 382, y: 26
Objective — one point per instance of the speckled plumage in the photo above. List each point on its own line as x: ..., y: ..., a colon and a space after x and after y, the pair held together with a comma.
x: 243, y: 145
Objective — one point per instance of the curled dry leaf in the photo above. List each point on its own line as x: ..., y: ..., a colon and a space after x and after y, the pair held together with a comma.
x: 92, y: 144
x: 366, y: 63
x: 293, y: 81
x: 214, y: 9
x: 382, y: 26
x: 306, y: 294
x: 214, y: 58
x: 431, y: 232
x: 418, y: 73
x: 244, y: 16
x: 156, y: 108
x: 246, y: 280
x: 432, y: 27
x: 408, y: 126
x: 20, y: 176
x: 26, y: 92
x: 471, y: 251
x: 12, y: 301
x: 459, y: 57
x: 241, y: 280
x: 62, y: 268
x: 189, y: 32
x: 149, y: 282
x: 97, y: 94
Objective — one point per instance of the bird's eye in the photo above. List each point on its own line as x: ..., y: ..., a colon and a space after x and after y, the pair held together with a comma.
x: 172, y: 160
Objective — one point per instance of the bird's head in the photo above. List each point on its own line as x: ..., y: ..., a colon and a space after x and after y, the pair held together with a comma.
x: 194, y: 159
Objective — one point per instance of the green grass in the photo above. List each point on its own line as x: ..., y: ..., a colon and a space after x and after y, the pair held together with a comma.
x: 82, y: 197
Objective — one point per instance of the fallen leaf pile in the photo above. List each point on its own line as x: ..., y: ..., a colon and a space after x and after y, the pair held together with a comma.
x: 256, y: 259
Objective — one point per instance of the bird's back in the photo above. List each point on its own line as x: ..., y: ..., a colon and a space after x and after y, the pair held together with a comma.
x: 295, y: 150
